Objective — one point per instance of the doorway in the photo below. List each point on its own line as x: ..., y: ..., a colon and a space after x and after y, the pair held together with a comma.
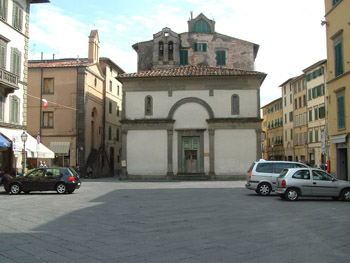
x: 342, y: 163
x: 191, y: 161
x: 190, y: 154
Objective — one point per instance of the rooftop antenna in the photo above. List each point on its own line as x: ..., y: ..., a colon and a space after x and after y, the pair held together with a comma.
x: 191, y: 15
x: 33, y: 50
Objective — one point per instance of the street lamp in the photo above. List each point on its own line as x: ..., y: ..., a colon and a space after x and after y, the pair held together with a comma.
x: 24, y: 138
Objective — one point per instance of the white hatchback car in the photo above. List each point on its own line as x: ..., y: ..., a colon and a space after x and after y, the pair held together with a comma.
x: 262, y: 175
x: 295, y: 182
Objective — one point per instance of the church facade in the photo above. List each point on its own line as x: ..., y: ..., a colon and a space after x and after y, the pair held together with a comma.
x: 192, y: 111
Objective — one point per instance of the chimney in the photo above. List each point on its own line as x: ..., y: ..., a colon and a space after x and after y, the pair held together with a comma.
x: 94, y: 46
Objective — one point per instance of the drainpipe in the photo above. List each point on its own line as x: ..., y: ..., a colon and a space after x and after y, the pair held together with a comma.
x: 41, y: 97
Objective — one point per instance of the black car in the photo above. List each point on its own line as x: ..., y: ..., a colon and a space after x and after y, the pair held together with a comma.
x: 62, y: 180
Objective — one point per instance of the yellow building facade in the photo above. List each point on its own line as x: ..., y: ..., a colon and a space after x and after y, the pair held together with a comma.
x: 300, y: 119
x: 337, y: 25
x: 273, y: 127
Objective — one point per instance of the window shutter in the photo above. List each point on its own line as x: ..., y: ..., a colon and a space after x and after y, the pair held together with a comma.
x: 2, y: 56
x: 341, y: 112
x: 204, y: 47
x: 195, y: 47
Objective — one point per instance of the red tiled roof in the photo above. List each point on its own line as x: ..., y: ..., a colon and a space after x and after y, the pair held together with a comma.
x: 58, y: 63
x: 191, y: 71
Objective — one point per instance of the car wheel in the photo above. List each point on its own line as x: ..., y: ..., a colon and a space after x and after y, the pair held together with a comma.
x: 61, y: 188
x: 292, y: 194
x: 15, y: 189
x: 283, y: 197
x: 264, y: 189
x: 346, y: 195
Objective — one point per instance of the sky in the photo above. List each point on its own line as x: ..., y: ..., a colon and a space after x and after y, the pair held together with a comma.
x: 288, y: 32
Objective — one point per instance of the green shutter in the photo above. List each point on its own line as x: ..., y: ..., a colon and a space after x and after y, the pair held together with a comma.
x: 220, y: 58
x: 319, y: 91
x: 310, y: 94
x: 109, y: 133
x: 183, y: 57
x: 204, y: 47
x: 195, y: 47
x: 341, y: 112
x: 339, y: 59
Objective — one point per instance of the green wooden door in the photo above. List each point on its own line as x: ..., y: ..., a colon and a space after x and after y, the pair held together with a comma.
x: 190, y: 155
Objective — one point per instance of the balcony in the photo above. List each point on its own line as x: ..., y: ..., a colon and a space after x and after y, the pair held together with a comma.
x: 8, y: 81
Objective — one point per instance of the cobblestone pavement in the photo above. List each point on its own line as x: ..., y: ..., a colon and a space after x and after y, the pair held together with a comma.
x: 107, y: 220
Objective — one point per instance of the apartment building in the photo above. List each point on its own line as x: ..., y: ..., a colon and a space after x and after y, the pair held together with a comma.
x: 14, y: 37
x: 273, y: 127
x: 78, y: 105
x: 113, y: 97
x: 338, y: 70
x: 288, y: 119
x: 300, y: 119
x: 316, y: 113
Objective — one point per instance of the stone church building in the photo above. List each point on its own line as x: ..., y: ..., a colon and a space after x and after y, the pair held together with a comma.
x: 192, y: 111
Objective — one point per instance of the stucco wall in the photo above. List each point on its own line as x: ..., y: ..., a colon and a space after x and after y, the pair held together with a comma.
x: 147, y: 152
x: 235, y: 150
x: 220, y: 102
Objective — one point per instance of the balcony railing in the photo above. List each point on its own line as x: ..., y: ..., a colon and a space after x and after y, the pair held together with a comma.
x: 8, y: 78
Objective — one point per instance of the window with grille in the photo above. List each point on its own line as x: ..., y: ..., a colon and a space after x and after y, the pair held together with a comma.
x: 148, y: 105
x: 235, y: 104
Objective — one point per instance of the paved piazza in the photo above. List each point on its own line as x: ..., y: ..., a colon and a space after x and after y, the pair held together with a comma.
x: 117, y: 221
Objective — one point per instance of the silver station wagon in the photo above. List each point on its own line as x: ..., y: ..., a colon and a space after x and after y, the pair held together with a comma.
x: 295, y: 182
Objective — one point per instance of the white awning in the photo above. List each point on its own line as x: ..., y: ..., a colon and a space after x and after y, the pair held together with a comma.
x: 61, y: 148
x: 33, y: 149
x: 339, y: 138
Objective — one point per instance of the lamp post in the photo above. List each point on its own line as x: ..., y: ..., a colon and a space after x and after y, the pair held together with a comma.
x: 24, y: 138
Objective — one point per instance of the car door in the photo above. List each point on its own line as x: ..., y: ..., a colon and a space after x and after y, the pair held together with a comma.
x: 50, y: 179
x: 302, y: 180
x: 324, y: 184
x: 31, y: 182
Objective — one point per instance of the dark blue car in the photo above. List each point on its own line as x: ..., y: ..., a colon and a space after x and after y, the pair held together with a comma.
x: 62, y: 180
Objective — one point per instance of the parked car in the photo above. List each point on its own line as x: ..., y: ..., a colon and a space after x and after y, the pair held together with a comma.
x: 295, y: 182
x: 61, y: 180
x: 262, y: 175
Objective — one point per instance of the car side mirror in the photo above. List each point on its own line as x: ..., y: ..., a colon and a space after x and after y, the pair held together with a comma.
x: 333, y: 179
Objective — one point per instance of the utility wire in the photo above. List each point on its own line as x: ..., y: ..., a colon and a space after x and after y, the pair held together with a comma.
x: 52, y: 102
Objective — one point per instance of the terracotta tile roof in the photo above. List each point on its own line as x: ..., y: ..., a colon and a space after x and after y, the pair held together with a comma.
x: 58, y: 63
x: 191, y: 71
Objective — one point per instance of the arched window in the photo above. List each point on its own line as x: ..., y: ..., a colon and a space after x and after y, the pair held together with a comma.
x: 148, y: 105
x: 171, y: 50
x: 235, y: 104
x: 160, y: 50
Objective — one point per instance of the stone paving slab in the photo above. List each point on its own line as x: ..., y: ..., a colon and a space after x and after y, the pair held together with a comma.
x: 108, y: 220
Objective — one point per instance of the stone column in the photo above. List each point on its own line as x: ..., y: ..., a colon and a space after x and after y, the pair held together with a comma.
x: 124, y: 174
x: 212, y: 154
x: 170, y: 171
